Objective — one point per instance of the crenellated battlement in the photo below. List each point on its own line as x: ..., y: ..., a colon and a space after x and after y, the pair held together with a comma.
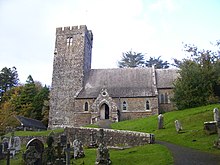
x: 70, y: 29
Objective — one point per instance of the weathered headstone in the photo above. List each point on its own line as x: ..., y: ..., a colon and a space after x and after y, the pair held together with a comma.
x: 63, y: 140
x: 17, y: 144
x: 49, y: 156
x: 92, y: 143
x: 178, y: 126
x: 11, y: 145
x: 102, y: 157
x: 210, y: 127
x: 60, y: 157
x: 5, y: 142
x: 78, y: 149
x: 216, y: 114
x: 33, y: 154
x: 160, y: 121
x: 1, y: 151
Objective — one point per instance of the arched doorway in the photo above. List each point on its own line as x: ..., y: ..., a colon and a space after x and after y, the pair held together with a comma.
x: 104, y: 111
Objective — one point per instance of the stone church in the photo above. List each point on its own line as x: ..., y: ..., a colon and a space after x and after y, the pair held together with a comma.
x: 81, y: 95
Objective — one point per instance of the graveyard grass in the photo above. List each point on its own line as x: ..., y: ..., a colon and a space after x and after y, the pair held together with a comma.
x: 192, y: 135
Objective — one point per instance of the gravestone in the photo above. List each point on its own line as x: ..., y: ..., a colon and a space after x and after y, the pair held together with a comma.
x: 49, y: 156
x: 63, y: 140
x: 210, y: 127
x: 178, y: 126
x: 32, y: 156
x: 34, y: 152
x: 67, y: 151
x: 1, y: 151
x: 5, y: 142
x: 92, y: 143
x: 78, y: 149
x: 216, y: 114
x: 17, y: 144
x: 60, y: 157
x: 102, y: 154
x: 160, y: 121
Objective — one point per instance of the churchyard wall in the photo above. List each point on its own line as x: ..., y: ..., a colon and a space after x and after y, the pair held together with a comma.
x: 111, y: 137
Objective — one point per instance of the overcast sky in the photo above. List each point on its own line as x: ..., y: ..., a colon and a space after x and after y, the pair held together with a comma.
x: 152, y: 27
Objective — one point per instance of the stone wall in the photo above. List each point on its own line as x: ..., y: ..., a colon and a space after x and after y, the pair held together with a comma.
x: 111, y: 137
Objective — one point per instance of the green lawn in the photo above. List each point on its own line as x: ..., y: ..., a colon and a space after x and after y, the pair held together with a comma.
x: 192, y: 136
x: 149, y: 154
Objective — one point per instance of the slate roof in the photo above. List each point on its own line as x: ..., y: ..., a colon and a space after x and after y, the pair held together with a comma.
x: 32, y: 123
x: 166, y: 77
x: 126, y: 82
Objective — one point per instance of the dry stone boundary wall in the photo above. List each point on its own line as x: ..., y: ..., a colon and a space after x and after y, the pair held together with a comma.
x: 112, y: 137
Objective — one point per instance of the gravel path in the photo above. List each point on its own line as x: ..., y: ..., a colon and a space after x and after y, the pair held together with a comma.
x: 187, y: 156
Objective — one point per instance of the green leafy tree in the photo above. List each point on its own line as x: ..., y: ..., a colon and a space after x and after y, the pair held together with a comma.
x: 131, y: 60
x: 198, y: 78
x: 157, y: 63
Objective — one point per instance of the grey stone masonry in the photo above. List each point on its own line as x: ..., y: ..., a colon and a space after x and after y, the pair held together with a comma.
x: 111, y: 137
x: 71, y: 66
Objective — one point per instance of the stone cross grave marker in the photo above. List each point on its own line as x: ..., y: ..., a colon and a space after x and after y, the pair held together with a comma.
x: 67, y: 151
x: 216, y: 114
x: 160, y: 121
x: 34, y: 152
x: 178, y: 126
x: 92, y: 143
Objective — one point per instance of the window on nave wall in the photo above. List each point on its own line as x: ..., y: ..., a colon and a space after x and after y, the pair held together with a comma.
x: 147, y: 105
x: 164, y: 98
x: 124, y: 106
x: 86, y: 106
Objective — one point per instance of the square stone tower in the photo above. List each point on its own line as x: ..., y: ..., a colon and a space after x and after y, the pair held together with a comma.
x: 71, y: 66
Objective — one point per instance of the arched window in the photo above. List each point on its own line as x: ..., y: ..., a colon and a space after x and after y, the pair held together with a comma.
x: 69, y: 41
x: 161, y: 98
x: 124, y: 106
x: 86, y: 106
x: 147, y: 105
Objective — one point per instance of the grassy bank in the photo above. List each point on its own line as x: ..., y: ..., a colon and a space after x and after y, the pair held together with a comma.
x: 192, y: 120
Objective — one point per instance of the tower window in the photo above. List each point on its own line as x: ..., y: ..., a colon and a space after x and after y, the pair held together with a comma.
x: 147, y: 105
x: 86, y: 108
x: 124, y: 106
x: 69, y: 41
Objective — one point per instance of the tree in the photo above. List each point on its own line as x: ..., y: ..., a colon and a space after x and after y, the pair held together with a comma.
x: 27, y: 97
x: 39, y: 102
x: 131, y: 60
x: 8, y: 79
x: 157, y: 62
x: 198, y: 78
